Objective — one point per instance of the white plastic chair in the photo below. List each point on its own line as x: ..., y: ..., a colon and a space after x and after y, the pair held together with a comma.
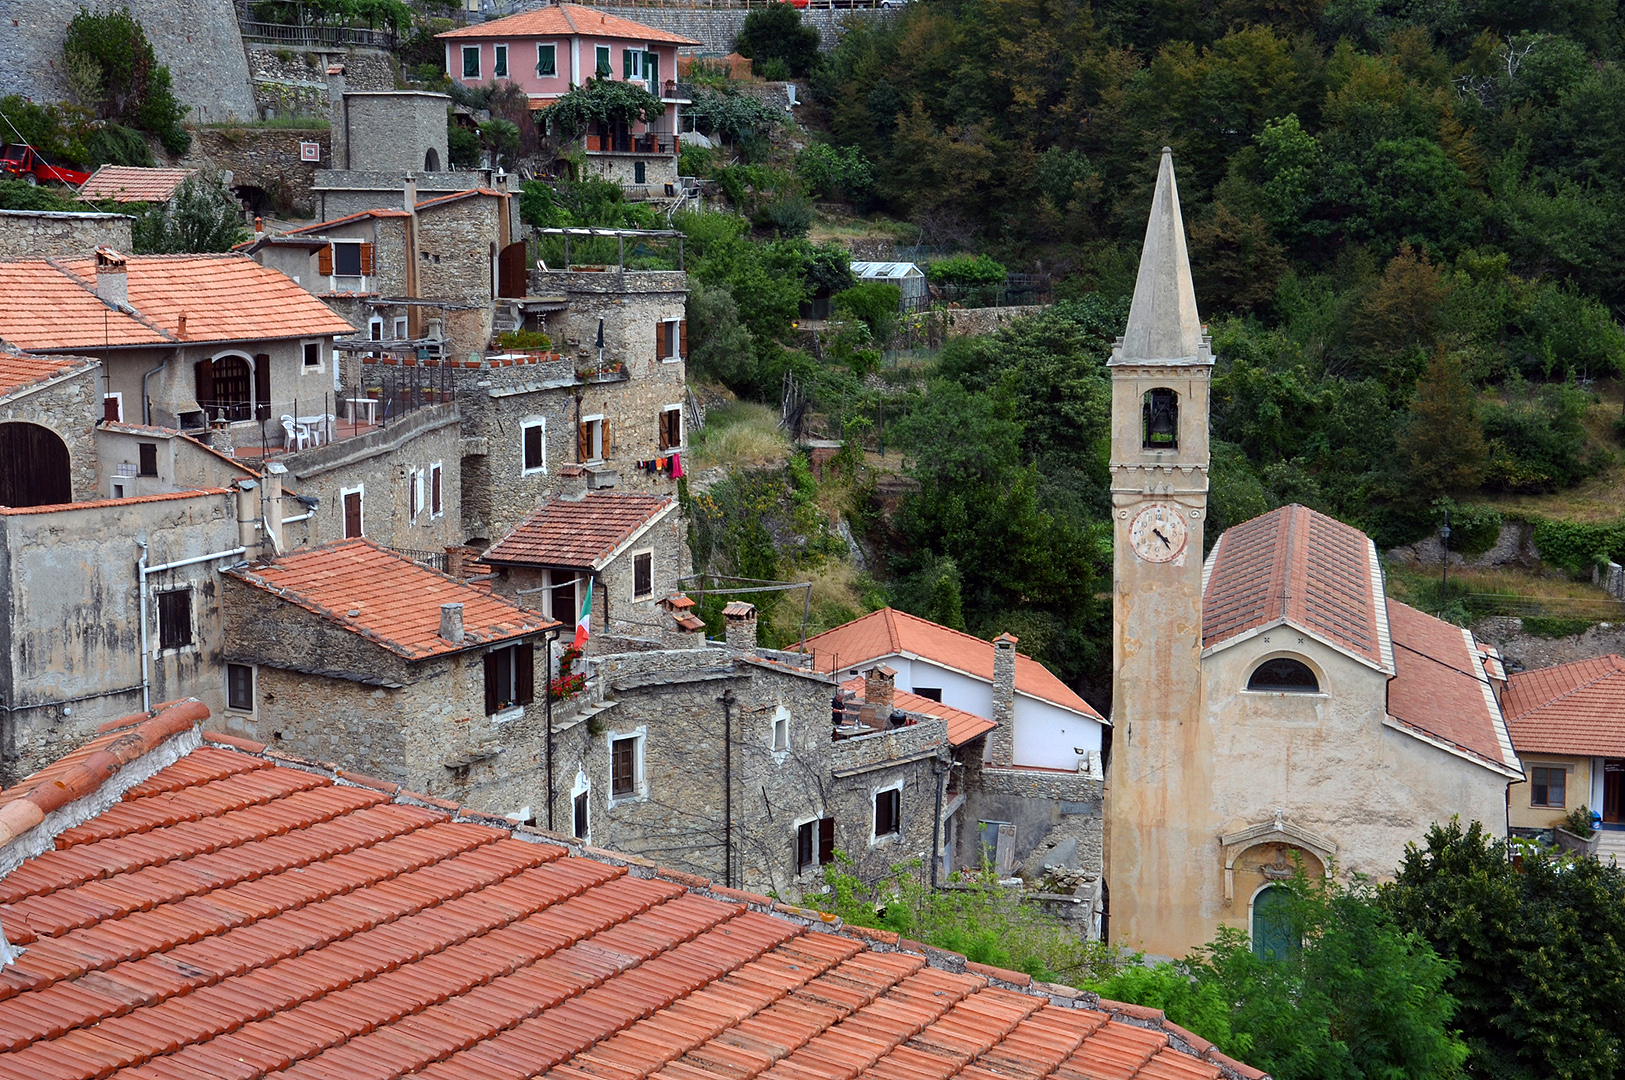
x: 294, y: 435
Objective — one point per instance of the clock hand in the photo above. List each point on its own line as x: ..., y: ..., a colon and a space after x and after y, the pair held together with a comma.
x: 1158, y: 534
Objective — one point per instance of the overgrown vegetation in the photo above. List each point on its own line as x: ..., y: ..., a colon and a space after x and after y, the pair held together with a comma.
x: 201, y: 216
x: 112, y: 71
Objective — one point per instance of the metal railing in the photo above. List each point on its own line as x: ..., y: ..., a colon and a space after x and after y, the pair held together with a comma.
x: 632, y: 144
x: 433, y: 560
x: 306, y: 35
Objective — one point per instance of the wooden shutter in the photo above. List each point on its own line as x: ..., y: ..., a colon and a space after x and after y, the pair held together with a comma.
x: 110, y: 408
x: 603, y: 439
x: 434, y: 491
x: 324, y: 261
x: 826, y: 841
x: 491, y: 700
x: 682, y: 339
x: 203, y: 371
x: 524, y: 673
x: 660, y: 341
x: 262, y: 386
x: 366, y: 259
x: 665, y: 430
x: 626, y: 63
x: 583, y: 441
x: 352, y: 514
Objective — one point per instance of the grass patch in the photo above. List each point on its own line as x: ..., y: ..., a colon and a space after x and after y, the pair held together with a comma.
x: 1547, y: 597
x: 740, y: 434
x: 1596, y: 499
x: 1542, y: 626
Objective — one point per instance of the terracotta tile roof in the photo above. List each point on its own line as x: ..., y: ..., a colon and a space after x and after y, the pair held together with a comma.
x: 164, y: 496
x: 1297, y: 566
x: 442, y: 200
x: 19, y: 370
x: 1440, y: 688
x: 51, y: 304
x: 559, y: 20
x: 581, y: 533
x: 1574, y: 708
x: 889, y: 632
x: 384, y: 212
x: 396, y: 603
x: 962, y: 726
x: 239, y: 913
x: 128, y: 183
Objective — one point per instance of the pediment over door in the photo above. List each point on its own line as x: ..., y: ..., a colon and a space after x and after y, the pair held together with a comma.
x: 1277, y: 830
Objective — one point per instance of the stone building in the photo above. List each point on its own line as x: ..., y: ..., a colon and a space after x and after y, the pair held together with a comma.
x: 198, y: 342
x: 131, y: 184
x: 55, y: 234
x: 1272, y: 705
x: 631, y: 548
x: 349, y: 652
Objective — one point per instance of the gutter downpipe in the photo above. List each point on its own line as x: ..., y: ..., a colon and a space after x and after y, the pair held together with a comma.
x: 550, y: 637
x: 146, y: 402
x: 727, y: 702
x: 145, y: 570
x: 940, y: 774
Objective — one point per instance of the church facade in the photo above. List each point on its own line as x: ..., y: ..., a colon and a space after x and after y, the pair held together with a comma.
x: 1272, y: 707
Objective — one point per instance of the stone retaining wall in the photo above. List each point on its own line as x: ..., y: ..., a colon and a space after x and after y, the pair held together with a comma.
x: 47, y: 234
x: 718, y: 29
x: 266, y: 159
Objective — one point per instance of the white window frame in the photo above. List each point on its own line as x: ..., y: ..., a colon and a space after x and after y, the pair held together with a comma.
x: 400, y: 328
x: 885, y: 838
x: 479, y: 62
x: 640, y: 783
x: 597, y: 445
x: 253, y: 688
x: 436, y: 469
x: 375, y: 328
x: 553, y: 49
x: 582, y: 786
x: 682, y: 425
x: 499, y: 62
x: 672, y: 340
x: 361, y: 490
x: 781, y: 718
x: 636, y: 555
x: 524, y: 426
x: 359, y: 275
x: 118, y: 396
x: 321, y: 357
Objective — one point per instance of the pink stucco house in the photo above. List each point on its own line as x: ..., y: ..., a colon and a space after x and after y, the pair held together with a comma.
x: 547, y: 51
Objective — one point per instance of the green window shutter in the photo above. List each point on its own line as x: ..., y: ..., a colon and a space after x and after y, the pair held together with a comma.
x: 603, y: 62
x: 651, y: 70
x: 626, y: 63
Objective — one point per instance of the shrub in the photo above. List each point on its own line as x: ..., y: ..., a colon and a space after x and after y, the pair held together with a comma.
x: 787, y: 215
x: 1547, y: 627
x: 776, y: 32
x: 1536, y: 441
x: 731, y: 115
x: 775, y: 70
x: 1575, y: 546
x: 966, y: 271
x: 1578, y: 822
x: 604, y: 101
x: 110, y: 50
x: 875, y: 304
x: 525, y: 339
x: 202, y: 216
x: 827, y: 171
x: 1473, y: 529
x: 462, y: 145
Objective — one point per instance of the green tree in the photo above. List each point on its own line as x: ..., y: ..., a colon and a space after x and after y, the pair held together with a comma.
x: 1537, y: 950
x: 602, y: 101
x: 732, y: 115
x: 110, y: 52
x: 873, y: 303
x: 1442, y: 444
x: 201, y: 216
x: 776, y: 32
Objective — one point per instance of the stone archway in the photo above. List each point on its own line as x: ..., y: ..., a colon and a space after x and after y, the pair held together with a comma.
x: 1277, y: 831
x: 35, y: 469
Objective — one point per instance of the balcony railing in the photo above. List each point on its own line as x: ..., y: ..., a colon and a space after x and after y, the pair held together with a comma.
x: 632, y: 144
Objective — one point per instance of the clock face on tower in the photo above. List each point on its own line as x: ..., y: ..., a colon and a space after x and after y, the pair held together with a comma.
x: 1158, y: 533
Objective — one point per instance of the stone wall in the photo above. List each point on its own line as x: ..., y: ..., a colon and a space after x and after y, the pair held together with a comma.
x: 1048, y: 810
x: 71, y: 406
x: 47, y: 234
x: 264, y: 161
x: 294, y: 82
x: 1526, y: 652
x: 717, y: 29
x: 197, y: 39
x: 393, y: 131
x: 974, y: 322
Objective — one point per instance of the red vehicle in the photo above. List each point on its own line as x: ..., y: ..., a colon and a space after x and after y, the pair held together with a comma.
x: 19, y: 161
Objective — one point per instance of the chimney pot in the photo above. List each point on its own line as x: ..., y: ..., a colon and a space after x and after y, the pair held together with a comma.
x: 879, y: 688
x: 180, y: 328
x: 741, y: 625
x: 451, y: 623
x: 112, y: 282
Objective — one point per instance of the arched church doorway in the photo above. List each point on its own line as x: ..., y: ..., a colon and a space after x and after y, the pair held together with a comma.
x: 34, y: 466
x: 1275, y: 933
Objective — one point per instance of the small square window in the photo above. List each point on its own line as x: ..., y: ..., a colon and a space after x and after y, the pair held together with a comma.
x: 781, y: 733
x: 401, y: 331
x: 888, y: 812
x: 313, y: 354
x: 535, y: 447
x: 509, y: 677
x: 149, y: 459
x: 547, y: 60
x: 500, y: 68
x: 175, y: 619
x: 623, y: 767
x: 471, y: 61
x: 1547, y: 787
x: 643, y: 576
x: 113, y: 407
x: 671, y: 428
x: 347, y: 260
x: 240, y: 687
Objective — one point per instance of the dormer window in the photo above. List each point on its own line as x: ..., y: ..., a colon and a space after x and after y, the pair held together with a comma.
x: 1284, y: 675
x: 1160, y: 418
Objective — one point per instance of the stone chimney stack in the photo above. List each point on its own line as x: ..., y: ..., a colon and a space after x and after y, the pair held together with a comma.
x: 741, y: 629
x: 451, y: 623
x: 1004, y: 699
x: 112, y: 283
x: 248, y: 493
x: 274, y: 472
x: 879, y: 686
x: 339, y: 120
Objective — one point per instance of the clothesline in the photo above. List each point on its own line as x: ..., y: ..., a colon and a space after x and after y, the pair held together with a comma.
x: 672, y: 464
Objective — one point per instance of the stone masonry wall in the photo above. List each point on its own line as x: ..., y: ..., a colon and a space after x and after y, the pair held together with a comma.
x: 71, y: 407
x: 718, y: 29
x: 294, y: 82
x: 263, y: 158
x: 197, y: 39
x: 45, y: 234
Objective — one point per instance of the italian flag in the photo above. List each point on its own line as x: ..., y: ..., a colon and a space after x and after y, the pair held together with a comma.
x: 584, y: 617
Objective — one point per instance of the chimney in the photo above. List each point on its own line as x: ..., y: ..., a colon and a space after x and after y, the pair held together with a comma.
x: 455, y: 556
x: 1004, y: 699
x: 451, y: 623
x: 339, y: 120
x: 112, y: 284
x: 410, y: 198
x: 180, y: 327
x: 247, y: 515
x: 879, y: 684
x: 274, y: 473
x: 741, y: 625
x: 259, y: 228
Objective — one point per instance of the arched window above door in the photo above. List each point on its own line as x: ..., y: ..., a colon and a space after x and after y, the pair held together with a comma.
x: 1284, y: 675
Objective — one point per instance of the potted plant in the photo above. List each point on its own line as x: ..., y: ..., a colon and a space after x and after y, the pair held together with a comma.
x: 1578, y: 833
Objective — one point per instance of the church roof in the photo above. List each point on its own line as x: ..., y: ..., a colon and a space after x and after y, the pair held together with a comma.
x: 1440, y: 690
x: 1163, y: 325
x: 1574, y: 708
x: 1299, y: 567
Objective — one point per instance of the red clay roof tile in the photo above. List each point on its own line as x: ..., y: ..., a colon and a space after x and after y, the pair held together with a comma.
x: 580, y: 533
x: 1574, y: 708
x: 130, y: 183
x: 962, y: 726
x: 560, y: 20
x: 230, y: 917
x: 19, y: 370
x: 1440, y: 688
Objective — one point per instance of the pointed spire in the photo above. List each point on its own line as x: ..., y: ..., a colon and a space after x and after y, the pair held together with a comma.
x: 1162, y: 322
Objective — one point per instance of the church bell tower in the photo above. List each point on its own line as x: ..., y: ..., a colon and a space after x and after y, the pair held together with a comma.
x: 1158, y: 794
